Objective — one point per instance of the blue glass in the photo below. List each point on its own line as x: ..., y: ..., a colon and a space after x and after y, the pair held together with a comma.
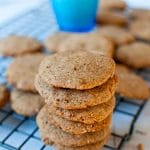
x: 75, y: 15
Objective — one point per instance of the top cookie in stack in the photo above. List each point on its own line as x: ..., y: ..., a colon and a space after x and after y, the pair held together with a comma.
x: 79, y: 91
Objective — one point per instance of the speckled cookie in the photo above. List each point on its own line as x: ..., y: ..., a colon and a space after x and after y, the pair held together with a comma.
x: 89, y: 115
x: 140, y: 29
x: 136, y: 55
x: 4, y: 95
x: 113, y: 4
x: 131, y: 85
x: 71, y: 126
x: 117, y: 34
x: 26, y: 103
x: 19, y: 45
x: 81, y: 70
x: 76, y: 99
x: 50, y: 133
x: 88, y: 42
x: 111, y: 17
x: 21, y: 73
x: 53, y: 41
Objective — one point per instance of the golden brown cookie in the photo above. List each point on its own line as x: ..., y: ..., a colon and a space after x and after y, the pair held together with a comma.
x: 113, y: 4
x: 71, y: 126
x: 112, y: 17
x: 22, y: 71
x: 76, y: 99
x: 19, y: 45
x: 89, y: 115
x: 117, y: 34
x: 81, y: 70
x: 140, y: 29
x: 131, y: 85
x: 136, y: 55
x: 26, y: 103
x: 50, y: 133
x: 4, y: 95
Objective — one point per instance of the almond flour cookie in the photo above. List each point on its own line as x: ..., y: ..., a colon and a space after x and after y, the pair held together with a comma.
x: 64, y: 70
x: 71, y: 126
x: 117, y: 34
x: 131, y: 85
x: 4, y: 95
x: 50, y: 133
x: 136, y: 55
x: 22, y: 71
x: 19, y: 45
x: 112, y: 18
x: 76, y: 99
x: 26, y: 103
x: 140, y: 29
x: 89, y: 115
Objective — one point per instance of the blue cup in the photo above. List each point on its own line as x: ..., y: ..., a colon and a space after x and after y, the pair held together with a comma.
x: 75, y: 15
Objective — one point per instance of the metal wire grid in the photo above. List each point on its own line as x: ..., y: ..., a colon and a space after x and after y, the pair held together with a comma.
x: 21, y: 133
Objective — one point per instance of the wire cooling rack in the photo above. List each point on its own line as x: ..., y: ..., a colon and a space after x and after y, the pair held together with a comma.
x: 21, y: 133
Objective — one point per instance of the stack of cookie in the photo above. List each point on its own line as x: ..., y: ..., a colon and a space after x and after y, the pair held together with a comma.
x: 79, y: 93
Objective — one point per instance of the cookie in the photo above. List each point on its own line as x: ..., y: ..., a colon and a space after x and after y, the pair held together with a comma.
x: 22, y: 71
x: 4, y: 95
x: 81, y: 70
x: 76, y: 99
x: 19, y: 45
x: 131, y: 85
x: 118, y: 35
x: 50, y: 133
x: 136, y: 55
x: 26, y: 103
x: 71, y: 126
x: 106, y: 17
x: 88, y: 42
x: 140, y: 29
x: 53, y: 41
x: 113, y: 4
x: 89, y: 115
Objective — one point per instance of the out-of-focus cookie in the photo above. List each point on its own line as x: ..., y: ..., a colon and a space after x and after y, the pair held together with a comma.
x: 4, y: 95
x: 50, y: 133
x: 118, y: 35
x: 71, y: 126
x: 112, y: 17
x: 140, y: 29
x: 21, y: 73
x: 113, y: 4
x: 136, y: 55
x: 131, y: 85
x: 81, y: 70
x: 26, y: 103
x: 76, y: 99
x: 89, y: 115
x: 19, y: 45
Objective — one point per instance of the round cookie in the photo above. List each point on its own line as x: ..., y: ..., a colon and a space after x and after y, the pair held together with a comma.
x: 50, y: 133
x: 140, y: 29
x: 25, y: 103
x: 112, y: 18
x: 21, y: 72
x: 76, y: 99
x: 131, y: 85
x: 136, y: 55
x: 4, y: 95
x: 71, y: 126
x: 89, y: 115
x: 81, y: 70
x: 53, y: 41
x: 19, y: 45
x: 116, y: 34
x: 88, y: 42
